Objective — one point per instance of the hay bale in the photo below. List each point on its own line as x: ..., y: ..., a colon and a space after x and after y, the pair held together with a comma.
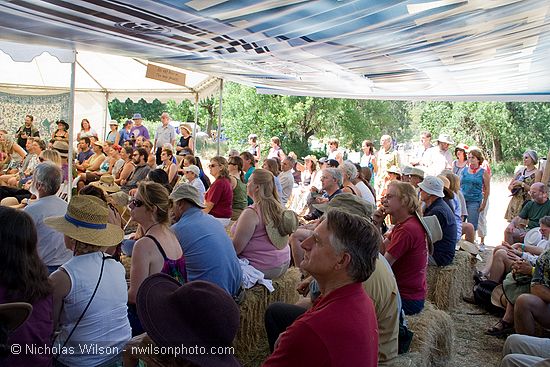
x: 433, y: 336
x: 251, y: 347
x: 412, y: 359
x: 448, y: 284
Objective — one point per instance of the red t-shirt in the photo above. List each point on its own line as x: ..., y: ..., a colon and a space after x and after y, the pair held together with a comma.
x: 221, y: 194
x: 409, y: 248
x: 339, y: 330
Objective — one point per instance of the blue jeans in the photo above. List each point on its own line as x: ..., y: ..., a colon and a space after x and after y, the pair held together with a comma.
x: 473, y: 212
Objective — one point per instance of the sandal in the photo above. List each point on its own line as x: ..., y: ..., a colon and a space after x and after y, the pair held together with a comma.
x: 500, y: 328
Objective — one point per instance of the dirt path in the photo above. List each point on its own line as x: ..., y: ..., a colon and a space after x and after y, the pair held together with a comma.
x: 472, y: 346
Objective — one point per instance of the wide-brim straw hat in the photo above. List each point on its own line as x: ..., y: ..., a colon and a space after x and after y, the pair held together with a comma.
x: 107, y: 184
x: 498, y: 298
x: 186, y: 127
x: 469, y: 247
x: 196, y: 313
x: 289, y: 224
x: 445, y: 138
x: 310, y: 157
x: 394, y: 169
x: 14, y: 314
x: 87, y: 221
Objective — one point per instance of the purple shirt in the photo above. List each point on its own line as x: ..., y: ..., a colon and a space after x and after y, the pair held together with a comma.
x: 37, y: 331
x: 140, y: 131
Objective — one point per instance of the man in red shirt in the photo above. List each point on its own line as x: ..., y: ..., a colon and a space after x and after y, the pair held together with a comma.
x: 340, y: 329
x: 407, y: 251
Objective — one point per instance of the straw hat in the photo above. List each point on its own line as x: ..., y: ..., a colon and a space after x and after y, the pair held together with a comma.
x: 394, y: 169
x: 469, y: 247
x: 14, y: 314
x: 445, y: 180
x: 186, y: 127
x: 498, y: 298
x: 349, y: 203
x: 196, y: 313
x: 310, y: 157
x: 87, y: 220
x: 107, y: 184
x: 62, y: 147
x: 113, y: 122
x: 445, y: 138
x: 289, y: 223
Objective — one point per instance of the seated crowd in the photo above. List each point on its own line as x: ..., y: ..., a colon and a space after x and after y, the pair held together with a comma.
x: 363, y: 257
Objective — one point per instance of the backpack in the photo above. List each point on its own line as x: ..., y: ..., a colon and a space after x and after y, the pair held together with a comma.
x: 482, y: 296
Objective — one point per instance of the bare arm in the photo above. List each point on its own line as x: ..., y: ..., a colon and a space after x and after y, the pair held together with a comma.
x: 192, y: 145
x: 486, y: 190
x: 125, y: 173
x: 245, y: 229
x: 140, y: 267
x: 61, y: 285
x: 541, y: 291
x: 209, y: 205
x: 97, y: 163
x: 390, y: 258
x: 172, y: 172
x: 17, y: 149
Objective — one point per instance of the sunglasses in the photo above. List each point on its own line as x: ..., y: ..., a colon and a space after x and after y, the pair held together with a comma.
x: 136, y: 203
x: 213, y: 165
x: 135, y: 155
x: 232, y: 163
x: 41, y: 159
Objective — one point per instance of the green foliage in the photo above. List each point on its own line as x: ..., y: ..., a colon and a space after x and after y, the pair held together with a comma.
x: 123, y: 111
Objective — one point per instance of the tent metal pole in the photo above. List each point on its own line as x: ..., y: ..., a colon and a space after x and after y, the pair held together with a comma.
x: 71, y: 128
x: 195, y: 153
x: 220, y: 117
x: 105, y: 126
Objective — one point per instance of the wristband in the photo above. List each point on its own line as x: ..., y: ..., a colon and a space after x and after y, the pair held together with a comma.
x: 522, y: 247
x: 533, y: 271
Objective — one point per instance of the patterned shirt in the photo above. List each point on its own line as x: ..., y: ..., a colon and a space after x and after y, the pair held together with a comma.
x: 542, y: 270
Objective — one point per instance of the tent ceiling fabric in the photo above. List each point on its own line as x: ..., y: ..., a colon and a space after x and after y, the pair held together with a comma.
x: 459, y: 50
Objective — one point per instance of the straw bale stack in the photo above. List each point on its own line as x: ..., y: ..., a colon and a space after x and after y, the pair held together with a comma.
x: 433, y: 337
x: 448, y: 284
x: 251, y: 346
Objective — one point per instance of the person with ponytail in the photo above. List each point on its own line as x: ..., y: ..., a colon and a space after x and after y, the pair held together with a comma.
x: 261, y: 233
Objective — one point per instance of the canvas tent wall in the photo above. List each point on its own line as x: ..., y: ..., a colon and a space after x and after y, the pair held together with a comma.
x: 99, y: 78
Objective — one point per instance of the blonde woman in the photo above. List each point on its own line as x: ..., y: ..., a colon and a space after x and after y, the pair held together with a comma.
x: 158, y: 251
x: 261, y: 233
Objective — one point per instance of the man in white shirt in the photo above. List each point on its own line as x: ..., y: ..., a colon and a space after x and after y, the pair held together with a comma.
x: 439, y: 158
x: 51, y: 245
x: 286, y: 178
x: 166, y: 134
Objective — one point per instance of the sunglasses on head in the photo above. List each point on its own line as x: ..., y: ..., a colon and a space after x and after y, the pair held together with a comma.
x: 136, y: 203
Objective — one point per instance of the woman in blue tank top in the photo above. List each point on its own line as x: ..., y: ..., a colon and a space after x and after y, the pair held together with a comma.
x: 475, y: 186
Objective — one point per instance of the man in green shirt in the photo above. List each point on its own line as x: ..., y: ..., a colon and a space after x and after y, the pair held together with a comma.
x: 533, y: 211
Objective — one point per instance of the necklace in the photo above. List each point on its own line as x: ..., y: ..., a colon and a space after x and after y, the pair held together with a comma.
x: 151, y: 226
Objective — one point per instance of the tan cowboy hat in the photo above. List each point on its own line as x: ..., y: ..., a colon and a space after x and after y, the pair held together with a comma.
x: 290, y: 224
x: 498, y: 298
x: 310, y: 157
x: 14, y: 314
x: 107, y: 184
x: 186, y: 127
x: 87, y: 220
x: 469, y: 247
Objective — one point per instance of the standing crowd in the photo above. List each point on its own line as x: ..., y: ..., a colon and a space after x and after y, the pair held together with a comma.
x: 363, y: 239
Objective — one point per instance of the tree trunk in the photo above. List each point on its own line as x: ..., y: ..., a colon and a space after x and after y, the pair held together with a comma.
x: 497, y: 150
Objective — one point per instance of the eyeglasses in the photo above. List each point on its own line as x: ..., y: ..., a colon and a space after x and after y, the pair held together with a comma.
x: 136, y: 203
